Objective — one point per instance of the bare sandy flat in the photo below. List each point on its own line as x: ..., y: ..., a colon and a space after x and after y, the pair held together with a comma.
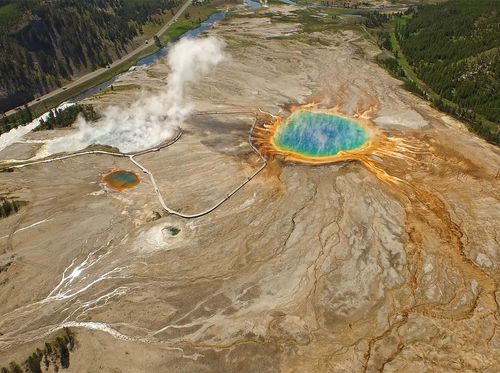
x: 388, y: 264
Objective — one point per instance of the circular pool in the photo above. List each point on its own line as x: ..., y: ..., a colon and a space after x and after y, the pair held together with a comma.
x: 319, y: 135
x: 120, y: 180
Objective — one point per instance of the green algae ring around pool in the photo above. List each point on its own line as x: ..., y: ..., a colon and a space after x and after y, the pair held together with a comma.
x: 120, y: 180
x: 317, y: 135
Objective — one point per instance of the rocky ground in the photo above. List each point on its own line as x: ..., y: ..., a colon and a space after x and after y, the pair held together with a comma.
x: 391, y: 264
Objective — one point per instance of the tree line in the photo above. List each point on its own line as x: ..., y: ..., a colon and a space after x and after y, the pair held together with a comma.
x: 55, y: 353
x: 53, y: 40
x: 455, y: 49
x: 59, y: 118
x: 9, y: 207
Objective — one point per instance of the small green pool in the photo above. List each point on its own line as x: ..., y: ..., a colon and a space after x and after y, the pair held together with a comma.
x: 120, y: 180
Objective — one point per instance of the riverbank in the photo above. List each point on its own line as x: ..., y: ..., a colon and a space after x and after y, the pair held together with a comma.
x: 171, y: 31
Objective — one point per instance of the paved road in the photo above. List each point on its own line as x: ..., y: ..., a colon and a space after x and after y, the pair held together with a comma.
x: 102, y: 71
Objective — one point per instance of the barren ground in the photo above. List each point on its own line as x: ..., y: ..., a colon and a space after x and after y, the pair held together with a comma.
x: 346, y: 267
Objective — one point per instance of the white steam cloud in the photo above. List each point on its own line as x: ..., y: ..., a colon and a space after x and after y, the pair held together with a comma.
x: 152, y: 118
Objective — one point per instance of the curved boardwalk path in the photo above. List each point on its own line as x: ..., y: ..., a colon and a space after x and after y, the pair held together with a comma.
x: 150, y: 174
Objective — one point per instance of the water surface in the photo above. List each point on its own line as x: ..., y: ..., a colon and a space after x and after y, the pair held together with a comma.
x: 120, y: 180
x: 313, y: 134
x: 152, y: 58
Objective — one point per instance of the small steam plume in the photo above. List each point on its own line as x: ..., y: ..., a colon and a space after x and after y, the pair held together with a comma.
x: 152, y: 118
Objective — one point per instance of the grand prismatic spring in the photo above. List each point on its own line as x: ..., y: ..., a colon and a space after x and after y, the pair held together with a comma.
x: 310, y: 136
x: 319, y: 135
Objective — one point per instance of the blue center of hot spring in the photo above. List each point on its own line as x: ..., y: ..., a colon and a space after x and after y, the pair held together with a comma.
x: 123, y: 177
x: 319, y: 135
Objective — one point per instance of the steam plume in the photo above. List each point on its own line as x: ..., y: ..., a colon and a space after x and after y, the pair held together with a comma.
x: 152, y: 118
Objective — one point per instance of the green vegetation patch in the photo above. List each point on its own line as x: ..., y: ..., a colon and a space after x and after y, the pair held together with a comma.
x: 9, y: 16
x: 55, y: 354
x: 454, y: 48
x: 316, y: 20
x: 142, y: 11
x: 179, y: 28
x: 50, y: 47
x: 193, y: 18
x: 10, y: 206
x: 448, y: 54
x: 65, y: 118
x: 391, y: 65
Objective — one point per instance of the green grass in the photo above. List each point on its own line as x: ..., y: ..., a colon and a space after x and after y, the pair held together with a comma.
x: 401, y: 58
x: 9, y: 16
x: 196, y: 16
x: 416, y: 2
x: 178, y: 29
x: 403, y: 62
x: 316, y: 20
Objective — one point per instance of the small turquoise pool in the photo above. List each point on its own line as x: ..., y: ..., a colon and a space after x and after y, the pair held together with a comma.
x: 320, y: 134
x: 120, y: 180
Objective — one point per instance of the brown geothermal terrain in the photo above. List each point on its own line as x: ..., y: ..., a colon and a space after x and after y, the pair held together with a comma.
x: 386, y: 262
